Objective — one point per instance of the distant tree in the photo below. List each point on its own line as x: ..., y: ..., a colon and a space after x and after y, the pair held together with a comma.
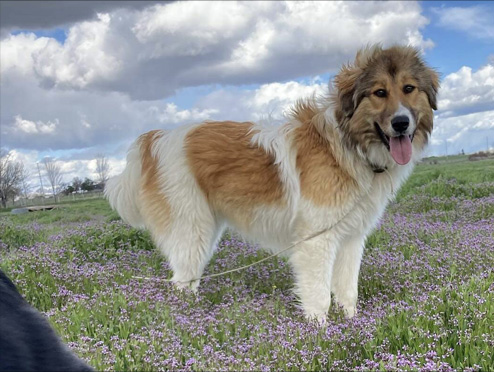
x: 23, y: 184
x: 87, y: 185
x: 76, y: 183
x: 15, y: 191
x: 10, y: 176
x: 68, y: 190
x: 54, y: 174
x: 102, y: 169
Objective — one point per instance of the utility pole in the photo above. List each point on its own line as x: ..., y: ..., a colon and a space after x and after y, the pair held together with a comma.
x: 446, y: 147
x: 40, y: 180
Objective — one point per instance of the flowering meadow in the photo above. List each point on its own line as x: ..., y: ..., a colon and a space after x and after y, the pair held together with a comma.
x: 426, y: 298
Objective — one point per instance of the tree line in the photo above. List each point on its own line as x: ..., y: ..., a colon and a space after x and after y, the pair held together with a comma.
x: 15, y: 178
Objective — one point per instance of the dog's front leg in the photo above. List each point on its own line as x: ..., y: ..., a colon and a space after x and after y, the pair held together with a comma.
x: 345, y: 273
x: 312, y: 262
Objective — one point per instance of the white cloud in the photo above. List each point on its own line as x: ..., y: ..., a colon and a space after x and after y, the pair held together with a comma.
x: 82, y: 119
x: 85, y: 123
x: 268, y: 102
x: 25, y: 157
x: 464, y: 132
x: 474, y: 20
x: 84, y: 58
x: 149, y: 54
x: 276, y: 98
x: 171, y: 114
x: 466, y: 111
x: 17, y: 52
x: 467, y: 91
x: 31, y: 127
x: 192, y: 28
x: 285, y: 93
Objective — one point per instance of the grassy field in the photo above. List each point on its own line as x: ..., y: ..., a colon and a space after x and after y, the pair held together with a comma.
x: 426, y: 289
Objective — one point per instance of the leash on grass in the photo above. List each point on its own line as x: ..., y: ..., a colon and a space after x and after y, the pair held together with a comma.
x: 312, y: 236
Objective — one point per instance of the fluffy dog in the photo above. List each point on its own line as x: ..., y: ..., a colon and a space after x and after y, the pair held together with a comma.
x: 277, y: 185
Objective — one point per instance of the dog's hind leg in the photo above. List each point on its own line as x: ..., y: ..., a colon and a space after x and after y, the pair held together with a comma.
x: 344, y: 284
x: 189, y: 245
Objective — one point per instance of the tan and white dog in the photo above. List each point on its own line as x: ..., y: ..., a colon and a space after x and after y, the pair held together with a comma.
x: 277, y: 185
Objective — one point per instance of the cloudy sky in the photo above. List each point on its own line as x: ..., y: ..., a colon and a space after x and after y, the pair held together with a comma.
x: 81, y: 78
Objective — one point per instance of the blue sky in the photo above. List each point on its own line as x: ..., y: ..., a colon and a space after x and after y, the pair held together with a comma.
x: 454, y: 47
x: 57, y: 33
x: 87, y: 78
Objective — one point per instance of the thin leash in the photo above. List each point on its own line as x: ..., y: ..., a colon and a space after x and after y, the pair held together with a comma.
x: 249, y: 265
x: 312, y: 236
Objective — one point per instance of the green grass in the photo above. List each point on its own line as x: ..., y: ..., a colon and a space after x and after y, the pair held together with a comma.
x: 459, y: 318
x: 69, y: 212
x: 466, y: 172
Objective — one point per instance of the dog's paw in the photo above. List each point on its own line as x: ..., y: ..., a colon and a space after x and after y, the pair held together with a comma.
x: 349, y: 305
x: 187, y: 286
x: 320, y: 318
x: 350, y: 311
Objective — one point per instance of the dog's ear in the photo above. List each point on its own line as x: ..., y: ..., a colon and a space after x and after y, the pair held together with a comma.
x: 345, y: 84
x: 431, y: 87
x: 351, y: 76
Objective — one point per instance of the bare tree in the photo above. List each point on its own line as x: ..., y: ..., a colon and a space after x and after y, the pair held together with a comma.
x: 76, y: 183
x: 102, y: 168
x: 23, y: 183
x: 14, y: 192
x: 54, y: 174
x: 25, y: 175
x: 10, y: 176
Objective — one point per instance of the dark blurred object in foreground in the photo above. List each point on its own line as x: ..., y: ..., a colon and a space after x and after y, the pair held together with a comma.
x: 27, y: 341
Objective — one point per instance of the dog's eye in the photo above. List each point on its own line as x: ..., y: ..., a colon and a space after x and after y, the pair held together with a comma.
x: 408, y: 89
x: 381, y: 93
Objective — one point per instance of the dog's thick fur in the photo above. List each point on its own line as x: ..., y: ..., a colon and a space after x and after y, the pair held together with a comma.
x: 277, y: 185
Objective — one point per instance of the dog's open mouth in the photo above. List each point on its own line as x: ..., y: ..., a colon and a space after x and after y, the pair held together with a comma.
x: 399, y: 147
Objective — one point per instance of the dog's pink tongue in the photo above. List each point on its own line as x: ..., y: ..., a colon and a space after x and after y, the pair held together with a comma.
x: 400, y: 149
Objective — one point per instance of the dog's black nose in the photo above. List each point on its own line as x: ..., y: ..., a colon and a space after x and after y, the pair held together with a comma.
x: 400, y: 123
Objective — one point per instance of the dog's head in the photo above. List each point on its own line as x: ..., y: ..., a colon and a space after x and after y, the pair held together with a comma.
x: 384, y: 104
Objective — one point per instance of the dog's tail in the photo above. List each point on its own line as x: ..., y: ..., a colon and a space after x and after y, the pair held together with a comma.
x: 122, y: 191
